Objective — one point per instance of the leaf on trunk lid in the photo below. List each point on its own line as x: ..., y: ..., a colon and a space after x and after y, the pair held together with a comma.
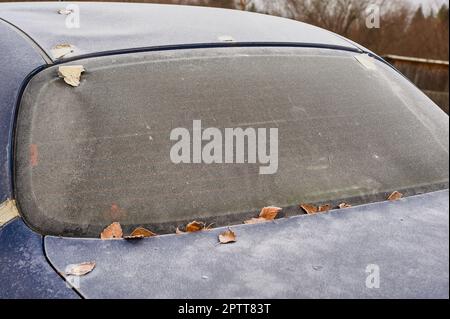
x: 266, y: 214
x: 60, y: 50
x: 344, y: 205
x: 80, y: 269
x: 395, y: 196
x: 71, y: 74
x: 113, y: 231
x: 227, y: 236
x: 140, y: 232
x: 311, y: 209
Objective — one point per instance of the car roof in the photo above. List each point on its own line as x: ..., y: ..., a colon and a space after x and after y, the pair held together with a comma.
x: 119, y: 26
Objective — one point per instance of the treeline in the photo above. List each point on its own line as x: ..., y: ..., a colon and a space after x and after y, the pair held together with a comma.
x: 404, y: 29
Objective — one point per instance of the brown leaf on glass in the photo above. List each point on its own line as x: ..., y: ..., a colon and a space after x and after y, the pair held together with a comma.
x: 195, y: 226
x: 140, y: 232
x: 395, y: 196
x: 113, y: 231
x: 324, y: 208
x: 269, y: 212
x: 309, y: 209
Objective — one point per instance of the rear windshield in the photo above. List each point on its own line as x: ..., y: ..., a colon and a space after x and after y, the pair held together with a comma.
x: 160, y: 139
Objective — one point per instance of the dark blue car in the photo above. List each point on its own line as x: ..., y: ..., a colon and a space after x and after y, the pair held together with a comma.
x: 95, y: 101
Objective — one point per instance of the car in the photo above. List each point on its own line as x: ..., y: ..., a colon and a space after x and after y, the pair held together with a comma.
x: 325, y: 165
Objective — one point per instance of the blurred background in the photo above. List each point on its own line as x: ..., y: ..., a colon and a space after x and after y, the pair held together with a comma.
x: 413, y: 35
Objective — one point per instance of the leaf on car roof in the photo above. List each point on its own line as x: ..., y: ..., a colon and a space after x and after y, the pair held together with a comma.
x: 113, y: 231
x: 266, y: 214
x: 65, y: 11
x: 395, y: 196
x: 227, y: 236
x: 311, y: 209
x: 80, y: 269
x: 344, y: 205
x: 71, y: 74
x: 60, y: 50
x: 140, y: 232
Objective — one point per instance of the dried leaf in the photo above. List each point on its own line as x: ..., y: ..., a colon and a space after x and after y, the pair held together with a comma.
x: 112, y: 231
x: 255, y: 220
x: 195, y: 226
x: 8, y: 211
x: 227, y: 236
x: 140, y: 232
x: 60, y: 50
x: 344, y: 205
x: 179, y: 232
x: 324, y: 208
x: 395, y: 196
x: 80, y: 269
x: 309, y: 209
x: 71, y: 74
x: 65, y: 11
x: 269, y: 212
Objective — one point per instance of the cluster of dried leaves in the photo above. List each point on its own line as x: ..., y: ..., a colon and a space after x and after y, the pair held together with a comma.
x: 311, y: 209
x: 225, y: 237
x: 114, y: 231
